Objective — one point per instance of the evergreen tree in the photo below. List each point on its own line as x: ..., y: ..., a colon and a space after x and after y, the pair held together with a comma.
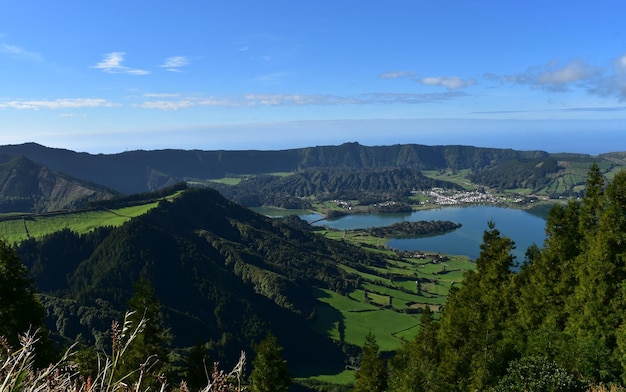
x: 20, y: 309
x: 547, y: 282
x: 597, y: 306
x: 197, y: 367
x: 592, y: 200
x: 372, y: 374
x: 414, y: 366
x: 269, y: 369
x: 152, y: 344
x: 475, y: 327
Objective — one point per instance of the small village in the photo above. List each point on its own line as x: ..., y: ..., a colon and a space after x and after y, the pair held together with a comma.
x: 444, y: 197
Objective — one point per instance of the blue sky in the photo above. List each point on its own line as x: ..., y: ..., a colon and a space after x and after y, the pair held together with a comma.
x: 106, y: 77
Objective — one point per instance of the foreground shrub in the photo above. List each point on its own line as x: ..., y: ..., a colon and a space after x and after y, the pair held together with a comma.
x: 537, y: 374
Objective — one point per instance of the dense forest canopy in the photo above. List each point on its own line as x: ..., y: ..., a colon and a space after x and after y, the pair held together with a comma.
x: 563, y: 314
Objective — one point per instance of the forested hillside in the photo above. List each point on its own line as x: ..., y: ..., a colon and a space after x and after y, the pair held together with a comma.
x: 556, y: 325
x: 26, y: 186
x: 223, y: 274
x: 364, y: 186
x: 140, y: 171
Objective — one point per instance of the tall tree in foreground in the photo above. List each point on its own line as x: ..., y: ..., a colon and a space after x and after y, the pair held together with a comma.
x: 473, y: 331
x: 152, y: 343
x: 20, y: 309
x: 269, y: 369
x: 414, y: 367
x: 372, y: 374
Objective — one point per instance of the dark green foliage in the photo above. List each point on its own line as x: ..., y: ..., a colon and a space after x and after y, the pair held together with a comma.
x: 414, y: 366
x: 269, y: 369
x: 475, y: 345
x: 413, y: 229
x: 197, y: 367
x: 531, y: 174
x: 537, y: 374
x: 562, y: 313
x: 365, y: 185
x: 223, y: 274
x: 153, y: 342
x: 20, y: 309
x: 372, y: 373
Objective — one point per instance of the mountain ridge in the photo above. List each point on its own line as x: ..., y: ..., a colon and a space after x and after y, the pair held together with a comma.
x: 149, y: 170
x: 26, y: 186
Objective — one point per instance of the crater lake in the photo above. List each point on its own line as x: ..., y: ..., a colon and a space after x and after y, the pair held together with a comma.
x: 522, y: 226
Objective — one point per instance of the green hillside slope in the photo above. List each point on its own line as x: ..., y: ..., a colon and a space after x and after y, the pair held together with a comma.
x: 224, y: 274
x: 26, y: 186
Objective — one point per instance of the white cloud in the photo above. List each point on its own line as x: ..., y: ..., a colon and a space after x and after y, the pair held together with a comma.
x: 294, y: 99
x: 557, y: 77
x: 609, y: 82
x: 552, y: 76
x: 20, y: 53
x: 451, y: 82
x: 412, y: 99
x: 161, y: 95
x: 613, y: 84
x: 65, y: 103
x: 396, y: 75
x: 261, y: 100
x: 112, y: 63
x: 185, y: 103
x: 174, y: 63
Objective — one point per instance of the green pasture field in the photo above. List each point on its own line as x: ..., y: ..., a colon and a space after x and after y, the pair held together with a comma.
x: 226, y: 181
x: 366, y: 310
x: 349, y: 320
x: 355, y: 237
x: 457, y: 177
x: 345, y: 377
x: 15, y: 230
x: 236, y: 179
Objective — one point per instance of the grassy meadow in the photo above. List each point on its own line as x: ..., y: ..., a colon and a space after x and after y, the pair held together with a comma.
x: 389, y: 300
x: 15, y: 228
x: 36, y: 226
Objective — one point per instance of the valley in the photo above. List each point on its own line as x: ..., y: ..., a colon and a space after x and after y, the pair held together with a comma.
x: 224, y: 272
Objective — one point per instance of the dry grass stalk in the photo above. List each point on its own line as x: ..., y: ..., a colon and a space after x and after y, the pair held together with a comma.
x: 17, y: 372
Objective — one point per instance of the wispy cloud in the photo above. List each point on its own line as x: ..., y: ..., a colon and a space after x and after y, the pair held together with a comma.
x: 65, y: 103
x: 296, y: 100
x: 396, y: 75
x: 112, y: 63
x: 264, y: 100
x: 596, y: 109
x: 20, y: 53
x: 161, y: 95
x: 607, y: 82
x: 553, y: 76
x: 450, y: 82
x: 407, y: 98
x: 175, y: 63
x: 185, y: 103
x: 614, y: 83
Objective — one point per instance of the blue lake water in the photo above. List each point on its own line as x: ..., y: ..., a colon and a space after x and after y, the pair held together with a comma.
x: 521, y: 226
